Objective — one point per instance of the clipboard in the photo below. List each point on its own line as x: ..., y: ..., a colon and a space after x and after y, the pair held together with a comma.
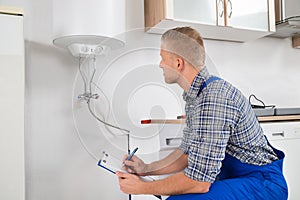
x: 113, y: 164
x: 110, y: 163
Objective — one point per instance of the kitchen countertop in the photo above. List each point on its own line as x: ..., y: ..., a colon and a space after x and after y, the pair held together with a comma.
x: 279, y: 118
x: 264, y: 119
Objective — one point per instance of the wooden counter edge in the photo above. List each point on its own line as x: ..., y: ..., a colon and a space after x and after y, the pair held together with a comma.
x: 279, y: 118
x: 263, y: 119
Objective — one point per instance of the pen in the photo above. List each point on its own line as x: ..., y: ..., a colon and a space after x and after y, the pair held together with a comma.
x: 131, y: 154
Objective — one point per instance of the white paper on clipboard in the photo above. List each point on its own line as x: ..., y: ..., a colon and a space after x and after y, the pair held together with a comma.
x: 110, y: 163
x: 113, y: 164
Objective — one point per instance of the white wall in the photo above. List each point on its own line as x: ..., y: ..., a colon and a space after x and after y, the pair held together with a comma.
x: 58, y: 165
x: 268, y: 67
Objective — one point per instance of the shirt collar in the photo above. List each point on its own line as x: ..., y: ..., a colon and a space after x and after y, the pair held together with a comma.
x: 201, y: 77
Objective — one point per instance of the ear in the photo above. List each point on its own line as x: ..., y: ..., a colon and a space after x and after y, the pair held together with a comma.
x: 180, y: 63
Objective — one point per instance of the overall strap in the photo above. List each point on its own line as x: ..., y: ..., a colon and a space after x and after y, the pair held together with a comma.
x: 208, y: 81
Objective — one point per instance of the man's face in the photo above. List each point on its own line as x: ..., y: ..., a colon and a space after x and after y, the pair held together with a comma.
x: 169, y: 66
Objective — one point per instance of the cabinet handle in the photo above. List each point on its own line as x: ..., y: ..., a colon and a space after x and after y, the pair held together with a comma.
x: 173, y: 141
x: 278, y: 134
x: 230, y: 4
x: 221, y: 8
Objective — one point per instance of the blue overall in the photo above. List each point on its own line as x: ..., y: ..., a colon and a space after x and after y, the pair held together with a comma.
x: 241, y: 181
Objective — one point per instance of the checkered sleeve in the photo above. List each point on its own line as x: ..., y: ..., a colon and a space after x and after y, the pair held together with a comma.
x: 210, y: 129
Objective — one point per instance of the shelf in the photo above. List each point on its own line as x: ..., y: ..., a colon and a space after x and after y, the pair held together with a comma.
x: 264, y: 119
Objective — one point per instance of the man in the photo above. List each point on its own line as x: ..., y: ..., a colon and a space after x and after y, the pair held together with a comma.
x: 223, y: 154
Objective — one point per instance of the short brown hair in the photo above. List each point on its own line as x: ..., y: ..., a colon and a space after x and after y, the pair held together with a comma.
x: 185, y: 42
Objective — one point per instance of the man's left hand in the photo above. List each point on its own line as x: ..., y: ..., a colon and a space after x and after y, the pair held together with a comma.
x: 130, y: 183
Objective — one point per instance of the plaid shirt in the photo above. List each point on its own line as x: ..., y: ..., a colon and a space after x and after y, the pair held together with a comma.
x: 220, y: 120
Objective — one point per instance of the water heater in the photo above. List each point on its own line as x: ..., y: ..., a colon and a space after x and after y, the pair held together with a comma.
x: 89, y: 28
x: 89, y: 18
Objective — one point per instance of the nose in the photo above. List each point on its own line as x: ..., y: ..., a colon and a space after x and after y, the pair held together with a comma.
x: 160, y: 64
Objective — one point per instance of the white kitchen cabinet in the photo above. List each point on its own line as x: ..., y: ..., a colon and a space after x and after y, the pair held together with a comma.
x: 230, y: 20
x: 203, y: 11
x: 12, y: 173
x: 247, y: 14
x: 285, y: 136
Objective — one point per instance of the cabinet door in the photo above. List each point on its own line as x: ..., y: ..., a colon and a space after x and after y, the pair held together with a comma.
x: 203, y: 11
x: 247, y: 14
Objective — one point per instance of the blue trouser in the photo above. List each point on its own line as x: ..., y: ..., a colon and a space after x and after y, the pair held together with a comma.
x: 242, y: 181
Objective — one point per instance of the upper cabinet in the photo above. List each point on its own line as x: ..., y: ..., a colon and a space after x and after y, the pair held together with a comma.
x: 231, y: 20
x: 248, y: 14
x: 203, y: 11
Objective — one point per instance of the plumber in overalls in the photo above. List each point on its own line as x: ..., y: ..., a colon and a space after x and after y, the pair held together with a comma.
x: 224, y: 153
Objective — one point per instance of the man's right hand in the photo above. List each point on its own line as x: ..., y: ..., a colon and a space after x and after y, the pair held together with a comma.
x: 135, y: 166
